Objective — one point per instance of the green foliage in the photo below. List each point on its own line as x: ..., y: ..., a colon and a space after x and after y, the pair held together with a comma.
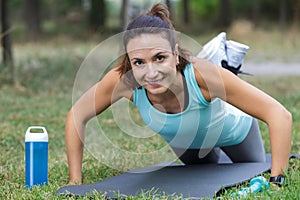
x: 15, y: 3
x: 204, y: 8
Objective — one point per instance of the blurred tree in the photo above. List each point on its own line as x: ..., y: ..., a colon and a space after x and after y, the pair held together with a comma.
x: 186, y: 12
x: 32, y: 18
x: 97, y: 14
x: 225, y: 13
x: 282, y: 13
x: 204, y: 12
x: 170, y: 6
x: 7, y: 43
x: 6, y: 33
x: 204, y: 8
x: 256, y: 11
x: 124, y: 13
x: 296, y: 15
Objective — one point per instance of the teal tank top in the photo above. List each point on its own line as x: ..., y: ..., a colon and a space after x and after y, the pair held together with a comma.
x: 202, y: 125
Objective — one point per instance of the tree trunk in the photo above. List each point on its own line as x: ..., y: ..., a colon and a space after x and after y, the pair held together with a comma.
x: 282, y: 14
x: 224, y: 18
x: 256, y: 11
x: 7, y: 43
x: 169, y: 5
x: 5, y: 34
x: 32, y: 18
x: 97, y: 14
x: 296, y: 15
x: 124, y: 14
x: 186, y: 12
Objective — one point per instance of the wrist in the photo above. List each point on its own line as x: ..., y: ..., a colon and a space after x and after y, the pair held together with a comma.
x: 278, y: 180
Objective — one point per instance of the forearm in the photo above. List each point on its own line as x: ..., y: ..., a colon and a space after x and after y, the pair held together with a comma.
x: 74, y: 133
x: 262, y: 106
x: 90, y: 104
x: 280, y: 142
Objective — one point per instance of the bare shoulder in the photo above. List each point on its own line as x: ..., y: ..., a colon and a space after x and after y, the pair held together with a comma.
x: 205, y: 74
x: 204, y: 68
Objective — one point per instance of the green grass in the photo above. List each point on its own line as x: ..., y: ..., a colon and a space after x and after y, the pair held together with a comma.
x: 47, y: 73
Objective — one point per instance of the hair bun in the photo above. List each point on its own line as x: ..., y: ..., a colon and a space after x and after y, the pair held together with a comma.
x: 161, y: 10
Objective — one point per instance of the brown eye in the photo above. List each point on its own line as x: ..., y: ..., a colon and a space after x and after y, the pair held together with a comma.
x: 137, y: 62
x: 160, y: 58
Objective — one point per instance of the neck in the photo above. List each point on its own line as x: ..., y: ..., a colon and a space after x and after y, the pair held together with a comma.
x: 173, y: 100
x: 174, y: 90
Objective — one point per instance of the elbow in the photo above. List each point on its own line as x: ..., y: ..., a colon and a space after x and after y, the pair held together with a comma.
x: 289, y: 121
x: 289, y: 117
x: 280, y: 116
x: 286, y: 119
x: 73, y: 127
x: 286, y: 116
x: 69, y: 123
x: 75, y: 117
x: 70, y: 117
x: 73, y: 123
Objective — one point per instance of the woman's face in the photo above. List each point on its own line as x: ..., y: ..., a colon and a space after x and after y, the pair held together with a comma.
x: 153, y: 62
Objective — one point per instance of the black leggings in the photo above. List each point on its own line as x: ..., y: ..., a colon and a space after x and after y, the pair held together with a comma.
x: 250, y: 150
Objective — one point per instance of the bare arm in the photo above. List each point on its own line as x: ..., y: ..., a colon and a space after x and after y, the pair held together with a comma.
x: 262, y: 106
x: 256, y: 103
x: 90, y: 104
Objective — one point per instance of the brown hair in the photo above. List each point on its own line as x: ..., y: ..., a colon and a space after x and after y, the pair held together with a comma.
x: 156, y: 21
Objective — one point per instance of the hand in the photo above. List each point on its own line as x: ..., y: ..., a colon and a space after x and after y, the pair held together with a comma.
x: 274, y: 187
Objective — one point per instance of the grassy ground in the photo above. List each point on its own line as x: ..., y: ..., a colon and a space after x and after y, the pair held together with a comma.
x: 47, y: 72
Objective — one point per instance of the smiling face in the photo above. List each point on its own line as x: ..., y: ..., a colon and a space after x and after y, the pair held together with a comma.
x: 153, y: 62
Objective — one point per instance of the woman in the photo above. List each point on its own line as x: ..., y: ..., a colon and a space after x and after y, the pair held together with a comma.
x: 192, y: 103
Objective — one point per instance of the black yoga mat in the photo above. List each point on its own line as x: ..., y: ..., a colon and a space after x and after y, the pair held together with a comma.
x: 193, y: 181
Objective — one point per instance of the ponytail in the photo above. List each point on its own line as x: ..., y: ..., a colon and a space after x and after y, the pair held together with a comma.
x: 161, y: 11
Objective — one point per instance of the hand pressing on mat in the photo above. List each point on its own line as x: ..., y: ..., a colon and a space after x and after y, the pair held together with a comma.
x: 192, y: 102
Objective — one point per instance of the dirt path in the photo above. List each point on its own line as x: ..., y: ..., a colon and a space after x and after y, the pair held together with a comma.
x: 271, y: 68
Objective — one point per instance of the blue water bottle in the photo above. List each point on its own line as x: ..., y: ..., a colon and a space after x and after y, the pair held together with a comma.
x: 36, y: 156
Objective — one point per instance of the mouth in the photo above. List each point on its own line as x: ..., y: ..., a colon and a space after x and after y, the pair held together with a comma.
x: 155, y: 83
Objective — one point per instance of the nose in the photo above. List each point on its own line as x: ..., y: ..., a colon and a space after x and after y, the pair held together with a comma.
x: 151, y: 71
